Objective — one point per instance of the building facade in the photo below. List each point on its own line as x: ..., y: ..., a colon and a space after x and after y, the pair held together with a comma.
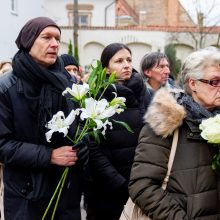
x: 14, y: 14
x: 143, y: 25
x: 108, y: 21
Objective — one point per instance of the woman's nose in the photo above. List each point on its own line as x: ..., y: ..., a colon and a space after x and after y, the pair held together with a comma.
x: 127, y: 63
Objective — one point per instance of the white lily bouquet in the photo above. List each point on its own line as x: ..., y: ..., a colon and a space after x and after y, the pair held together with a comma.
x: 211, y: 132
x: 93, y: 110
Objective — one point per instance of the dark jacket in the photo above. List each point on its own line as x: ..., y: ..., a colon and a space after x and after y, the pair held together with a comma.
x: 29, y: 178
x: 193, y: 188
x: 111, y: 161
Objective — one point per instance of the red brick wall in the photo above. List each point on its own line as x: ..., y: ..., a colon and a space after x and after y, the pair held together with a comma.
x: 162, y: 12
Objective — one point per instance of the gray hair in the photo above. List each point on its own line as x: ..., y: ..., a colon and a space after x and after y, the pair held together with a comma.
x: 195, y: 64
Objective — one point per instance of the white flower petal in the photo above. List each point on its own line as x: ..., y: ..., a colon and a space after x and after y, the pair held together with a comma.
x: 64, y: 131
x: 49, y: 135
x: 59, y: 123
x: 107, y: 113
x: 105, y: 126
x: 99, y: 124
x: 70, y: 118
x: 211, y: 129
x: 78, y: 91
x: 101, y: 105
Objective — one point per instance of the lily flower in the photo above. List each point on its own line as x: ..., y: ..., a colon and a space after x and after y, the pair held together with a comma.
x: 78, y: 91
x: 60, y: 124
x: 118, y: 101
x: 96, y: 114
x: 97, y: 111
x: 107, y: 122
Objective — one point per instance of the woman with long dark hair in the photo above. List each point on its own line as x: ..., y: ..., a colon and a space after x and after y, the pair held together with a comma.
x: 111, y: 161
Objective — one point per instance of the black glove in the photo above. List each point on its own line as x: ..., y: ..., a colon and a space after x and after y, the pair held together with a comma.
x: 82, y: 152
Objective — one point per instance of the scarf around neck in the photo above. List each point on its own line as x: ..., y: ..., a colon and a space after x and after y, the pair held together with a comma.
x: 195, y: 112
x: 42, y: 87
x: 26, y: 68
x: 131, y: 89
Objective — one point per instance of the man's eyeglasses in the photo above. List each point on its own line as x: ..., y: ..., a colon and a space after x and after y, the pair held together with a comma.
x: 214, y: 82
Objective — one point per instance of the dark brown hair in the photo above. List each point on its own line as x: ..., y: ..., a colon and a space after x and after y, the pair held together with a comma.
x: 109, y: 51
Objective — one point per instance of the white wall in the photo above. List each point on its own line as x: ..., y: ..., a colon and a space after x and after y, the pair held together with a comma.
x: 99, y: 13
x: 56, y: 9
x: 11, y: 23
x: 140, y: 43
x: 92, y: 42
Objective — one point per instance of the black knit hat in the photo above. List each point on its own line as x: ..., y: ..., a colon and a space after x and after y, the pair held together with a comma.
x: 31, y: 31
x: 69, y: 60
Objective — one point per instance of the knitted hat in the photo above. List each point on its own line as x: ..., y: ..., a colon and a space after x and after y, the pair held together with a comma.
x: 31, y: 31
x: 69, y: 60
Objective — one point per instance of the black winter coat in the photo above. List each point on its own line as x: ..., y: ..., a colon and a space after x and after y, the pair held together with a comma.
x: 193, y: 190
x: 111, y: 161
x: 29, y: 178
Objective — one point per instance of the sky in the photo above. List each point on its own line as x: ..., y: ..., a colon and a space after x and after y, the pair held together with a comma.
x: 212, y: 14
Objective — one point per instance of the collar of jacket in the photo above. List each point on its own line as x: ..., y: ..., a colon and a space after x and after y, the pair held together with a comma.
x: 164, y: 114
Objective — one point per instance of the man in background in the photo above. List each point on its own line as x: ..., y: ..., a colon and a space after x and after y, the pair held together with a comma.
x: 155, y: 70
x: 72, y: 66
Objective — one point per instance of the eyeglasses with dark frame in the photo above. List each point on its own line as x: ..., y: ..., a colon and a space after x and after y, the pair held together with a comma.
x: 214, y: 82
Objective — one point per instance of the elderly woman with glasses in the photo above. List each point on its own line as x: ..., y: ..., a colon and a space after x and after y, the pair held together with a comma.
x: 193, y: 190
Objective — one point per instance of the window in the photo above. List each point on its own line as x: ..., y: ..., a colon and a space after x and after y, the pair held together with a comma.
x: 83, y: 20
x: 84, y: 14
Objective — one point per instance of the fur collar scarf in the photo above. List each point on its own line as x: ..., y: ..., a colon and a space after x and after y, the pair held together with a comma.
x: 164, y: 114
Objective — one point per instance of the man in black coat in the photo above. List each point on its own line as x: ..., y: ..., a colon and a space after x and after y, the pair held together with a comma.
x: 29, y: 96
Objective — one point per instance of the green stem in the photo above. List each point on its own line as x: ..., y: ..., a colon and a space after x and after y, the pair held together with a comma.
x: 83, y: 131
x: 54, y: 194
x: 60, y: 191
x: 77, y: 131
x: 69, y: 138
x: 103, y: 92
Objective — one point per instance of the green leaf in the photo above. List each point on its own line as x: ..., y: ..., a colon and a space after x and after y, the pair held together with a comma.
x: 103, y: 75
x: 112, y: 77
x: 92, y: 75
x: 96, y: 137
x: 124, y: 125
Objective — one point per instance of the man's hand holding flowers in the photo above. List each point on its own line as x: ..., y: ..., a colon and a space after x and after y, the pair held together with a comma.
x: 64, y: 156
x: 94, y: 112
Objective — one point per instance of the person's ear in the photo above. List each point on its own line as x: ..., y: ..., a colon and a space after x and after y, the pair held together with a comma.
x: 107, y: 71
x: 192, y: 84
x: 147, y: 73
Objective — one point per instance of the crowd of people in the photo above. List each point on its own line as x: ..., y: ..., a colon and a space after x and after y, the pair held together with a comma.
x: 121, y: 164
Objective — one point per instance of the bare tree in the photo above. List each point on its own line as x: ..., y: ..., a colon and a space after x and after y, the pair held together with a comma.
x: 206, y: 20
